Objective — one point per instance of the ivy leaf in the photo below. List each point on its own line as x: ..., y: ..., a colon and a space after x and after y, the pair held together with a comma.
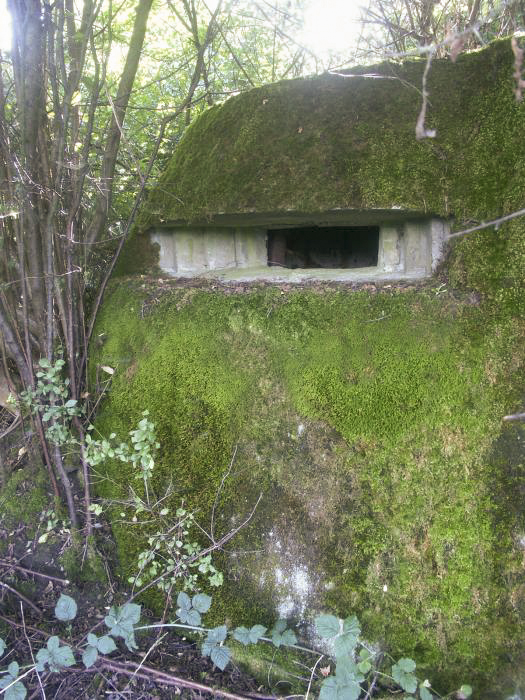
x: 327, y: 626
x: 220, y: 656
x: 2, y: 646
x: 256, y: 632
x: 183, y: 601
x: 201, y: 602
x: 402, y: 674
x: 424, y: 693
x: 242, y: 635
x: 89, y: 656
x: 65, y: 609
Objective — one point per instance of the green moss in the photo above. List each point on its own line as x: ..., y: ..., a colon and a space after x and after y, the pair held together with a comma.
x: 330, y: 142
x: 401, y: 413
x: 23, y: 497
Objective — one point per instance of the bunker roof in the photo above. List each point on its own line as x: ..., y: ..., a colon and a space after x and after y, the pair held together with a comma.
x: 335, y: 142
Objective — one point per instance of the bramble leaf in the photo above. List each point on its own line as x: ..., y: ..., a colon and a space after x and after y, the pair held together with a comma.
x: 344, y: 644
x: 351, y: 626
x: 402, y: 674
x: 66, y: 608
x: 242, y: 635
x: 89, y: 656
x: 279, y: 626
x: 465, y: 691
x: 288, y: 638
x: 55, y: 656
x: 256, y: 632
x: 201, y: 602
x: 424, y: 693
x: 183, y: 601
x: 327, y: 626
x: 334, y: 688
x: 120, y: 622
x: 13, y: 669
x: 220, y: 656
x: 106, y: 645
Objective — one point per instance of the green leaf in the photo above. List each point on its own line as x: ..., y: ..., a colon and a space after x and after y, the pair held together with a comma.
x: 466, y: 691
x: 407, y: 665
x: 66, y: 608
x: 214, y: 638
x: 193, y: 618
x: 256, y: 632
x: 105, y: 645
x: 346, y: 669
x: 201, y: 602
x: 121, y: 620
x: 220, y: 656
x: 344, y: 644
x: 242, y: 635
x: 351, y: 626
x: 183, y: 601
x: 402, y: 674
x: 2, y: 646
x: 13, y: 669
x: 424, y: 693
x: 131, y: 612
x: 92, y: 639
x: 288, y: 638
x: 327, y: 626
x: 55, y: 656
x: 15, y: 692
x: 70, y: 403
x: 279, y: 626
x: 89, y: 656
x: 189, y: 617
x: 334, y: 688
x: 364, y: 666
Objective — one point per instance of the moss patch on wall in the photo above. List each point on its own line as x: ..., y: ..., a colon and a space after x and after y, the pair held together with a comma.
x: 370, y: 424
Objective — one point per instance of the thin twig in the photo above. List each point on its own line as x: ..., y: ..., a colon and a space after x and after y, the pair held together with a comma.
x: 488, y: 224
x: 312, y: 676
x: 31, y: 651
x: 22, y: 597
x: 9, y: 565
x: 226, y: 475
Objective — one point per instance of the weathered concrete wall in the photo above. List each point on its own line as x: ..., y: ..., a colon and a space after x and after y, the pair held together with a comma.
x: 410, y: 249
x: 195, y: 251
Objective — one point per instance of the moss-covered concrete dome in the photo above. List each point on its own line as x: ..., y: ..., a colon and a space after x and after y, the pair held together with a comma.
x: 333, y: 142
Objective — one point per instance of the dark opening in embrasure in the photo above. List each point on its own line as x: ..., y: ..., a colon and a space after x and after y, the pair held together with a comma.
x: 323, y: 247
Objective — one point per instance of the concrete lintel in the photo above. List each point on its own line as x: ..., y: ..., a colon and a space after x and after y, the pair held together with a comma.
x: 284, y: 219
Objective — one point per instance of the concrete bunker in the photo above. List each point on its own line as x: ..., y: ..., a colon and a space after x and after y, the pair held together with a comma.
x: 342, y: 245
